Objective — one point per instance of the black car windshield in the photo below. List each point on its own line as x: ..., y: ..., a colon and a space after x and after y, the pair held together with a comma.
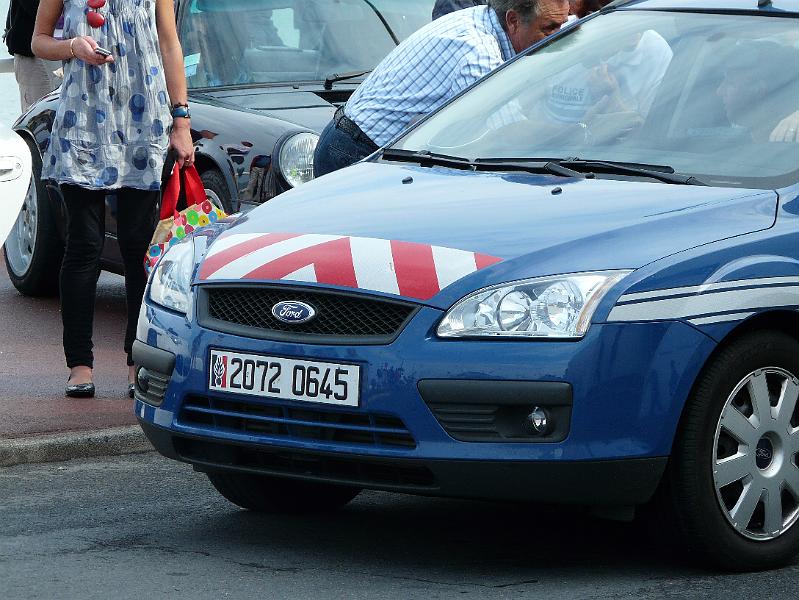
x: 237, y: 42
x: 705, y: 95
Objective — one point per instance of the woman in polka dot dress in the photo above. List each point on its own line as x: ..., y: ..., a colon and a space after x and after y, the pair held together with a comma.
x: 117, y: 117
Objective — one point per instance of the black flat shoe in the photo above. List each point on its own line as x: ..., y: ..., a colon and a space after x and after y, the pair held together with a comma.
x: 79, y: 390
x: 131, y: 389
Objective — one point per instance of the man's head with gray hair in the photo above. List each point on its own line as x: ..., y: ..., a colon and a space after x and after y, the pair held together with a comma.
x: 529, y: 21
x: 527, y: 9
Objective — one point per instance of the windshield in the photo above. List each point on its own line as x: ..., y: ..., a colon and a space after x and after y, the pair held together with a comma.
x: 712, y: 96
x: 236, y: 42
x: 404, y: 17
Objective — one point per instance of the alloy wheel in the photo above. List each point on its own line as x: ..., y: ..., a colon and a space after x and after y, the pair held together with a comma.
x: 755, y: 469
x: 21, y: 241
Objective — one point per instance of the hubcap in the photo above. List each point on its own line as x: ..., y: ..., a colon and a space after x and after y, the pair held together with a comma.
x: 764, y: 454
x: 21, y: 240
x: 755, y: 468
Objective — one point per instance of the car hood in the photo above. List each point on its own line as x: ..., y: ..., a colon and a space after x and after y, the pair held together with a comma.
x: 301, y: 107
x: 414, y: 231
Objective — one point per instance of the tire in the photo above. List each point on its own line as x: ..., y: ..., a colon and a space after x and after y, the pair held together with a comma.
x: 712, y: 497
x: 34, y: 248
x: 277, y: 495
x: 217, y: 190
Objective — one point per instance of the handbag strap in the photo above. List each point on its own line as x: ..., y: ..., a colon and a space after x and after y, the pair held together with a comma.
x: 189, y: 180
x: 193, y: 186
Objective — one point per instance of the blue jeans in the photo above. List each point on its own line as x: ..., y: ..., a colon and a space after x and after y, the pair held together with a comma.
x: 337, y: 150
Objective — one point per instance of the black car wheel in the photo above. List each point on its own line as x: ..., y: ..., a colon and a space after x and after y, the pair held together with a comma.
x: 274, y: 494
x: 216, y: 190
x: 732, y: 487
x: 33, y: 250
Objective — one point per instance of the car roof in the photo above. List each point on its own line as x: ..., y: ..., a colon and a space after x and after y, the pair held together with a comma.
x: 773, y: 6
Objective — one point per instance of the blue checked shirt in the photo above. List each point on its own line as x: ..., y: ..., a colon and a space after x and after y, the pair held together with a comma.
x: 427, y: 69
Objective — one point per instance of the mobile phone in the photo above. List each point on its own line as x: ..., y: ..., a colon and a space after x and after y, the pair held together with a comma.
x: 102, y: 51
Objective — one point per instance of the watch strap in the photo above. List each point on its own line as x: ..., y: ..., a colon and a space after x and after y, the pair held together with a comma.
x: 180, y: 112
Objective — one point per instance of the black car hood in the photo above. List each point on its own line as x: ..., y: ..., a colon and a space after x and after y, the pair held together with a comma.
x: 305, y: 108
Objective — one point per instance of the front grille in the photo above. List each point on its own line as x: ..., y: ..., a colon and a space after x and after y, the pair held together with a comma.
x: 340, y: 317
x: 280, y: 421
x: 358, y: 471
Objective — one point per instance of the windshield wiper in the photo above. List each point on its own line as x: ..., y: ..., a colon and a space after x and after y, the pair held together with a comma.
x: 336, y: 77
x: 552, y: 167
x: 426, y: 158
x: 568, y: 167
x: 662, y: 173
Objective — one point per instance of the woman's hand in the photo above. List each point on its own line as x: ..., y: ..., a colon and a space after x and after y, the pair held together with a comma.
x: 83, y: 47
x: 180, y: 143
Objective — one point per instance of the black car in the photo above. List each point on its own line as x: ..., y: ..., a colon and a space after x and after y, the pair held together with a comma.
x: 264, y: 76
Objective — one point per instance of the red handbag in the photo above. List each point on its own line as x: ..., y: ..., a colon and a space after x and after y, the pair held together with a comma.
x: 175, y: 225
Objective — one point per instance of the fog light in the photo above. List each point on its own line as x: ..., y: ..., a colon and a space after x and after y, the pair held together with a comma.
x: 538, y: 421
x: 143, y: 379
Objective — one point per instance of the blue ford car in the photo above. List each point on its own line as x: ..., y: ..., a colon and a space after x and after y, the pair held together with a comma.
x: 576, y: 283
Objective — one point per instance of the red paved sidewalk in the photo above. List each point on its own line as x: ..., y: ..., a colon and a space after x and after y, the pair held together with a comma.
x: 33, y: 372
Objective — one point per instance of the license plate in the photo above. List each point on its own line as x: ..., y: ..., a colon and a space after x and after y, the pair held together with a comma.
x: 284, y: 378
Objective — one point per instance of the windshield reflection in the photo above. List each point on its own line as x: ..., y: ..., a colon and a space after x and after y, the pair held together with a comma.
x: 709, y: 95
x: 239, y: 42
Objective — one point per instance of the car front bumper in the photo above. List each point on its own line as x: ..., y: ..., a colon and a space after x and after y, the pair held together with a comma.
x: 616, y: 395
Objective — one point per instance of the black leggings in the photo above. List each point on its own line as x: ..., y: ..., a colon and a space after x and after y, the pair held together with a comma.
x: 81, y: 266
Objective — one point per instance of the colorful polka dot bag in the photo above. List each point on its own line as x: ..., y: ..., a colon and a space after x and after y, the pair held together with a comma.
x: 175, y: 225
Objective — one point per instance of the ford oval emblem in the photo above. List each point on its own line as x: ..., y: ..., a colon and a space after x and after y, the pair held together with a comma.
x: 292, y: 312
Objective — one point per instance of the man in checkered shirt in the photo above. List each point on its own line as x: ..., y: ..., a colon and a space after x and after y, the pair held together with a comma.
x: 430, y: 67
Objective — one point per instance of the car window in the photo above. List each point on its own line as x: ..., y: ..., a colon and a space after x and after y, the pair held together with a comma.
x: 708, y: 95
x: 404, y: 17
x: 235, y: 42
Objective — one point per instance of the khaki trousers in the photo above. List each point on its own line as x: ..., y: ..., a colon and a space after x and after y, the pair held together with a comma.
x: 35, y: 78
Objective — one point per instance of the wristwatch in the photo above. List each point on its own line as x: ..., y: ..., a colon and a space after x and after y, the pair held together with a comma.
x: 180, y: 111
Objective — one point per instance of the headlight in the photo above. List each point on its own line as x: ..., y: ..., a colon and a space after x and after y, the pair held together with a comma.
x: 547, y: 307
x: 296, y: 158
x: 171, y: 282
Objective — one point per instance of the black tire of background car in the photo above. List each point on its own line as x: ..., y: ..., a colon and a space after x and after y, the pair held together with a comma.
x: 278, y: 495
x: 686, y: 512
x: 215, y: 182
x: 41, y: 278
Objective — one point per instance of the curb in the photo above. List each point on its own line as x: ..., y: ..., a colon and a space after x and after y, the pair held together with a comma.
x: 68, y: 446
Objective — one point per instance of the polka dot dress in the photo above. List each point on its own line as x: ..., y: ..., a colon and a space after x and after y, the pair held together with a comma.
x: 110, y: 127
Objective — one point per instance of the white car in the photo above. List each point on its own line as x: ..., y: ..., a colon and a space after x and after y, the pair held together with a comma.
x: 15, y: 182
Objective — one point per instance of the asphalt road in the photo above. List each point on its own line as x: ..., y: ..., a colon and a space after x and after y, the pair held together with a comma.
x: 144, y: 527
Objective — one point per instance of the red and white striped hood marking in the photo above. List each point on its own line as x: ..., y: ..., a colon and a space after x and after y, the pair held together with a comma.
x: 403, y: 268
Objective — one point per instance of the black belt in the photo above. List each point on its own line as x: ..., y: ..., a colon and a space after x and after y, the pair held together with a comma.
x: 350, y: 127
